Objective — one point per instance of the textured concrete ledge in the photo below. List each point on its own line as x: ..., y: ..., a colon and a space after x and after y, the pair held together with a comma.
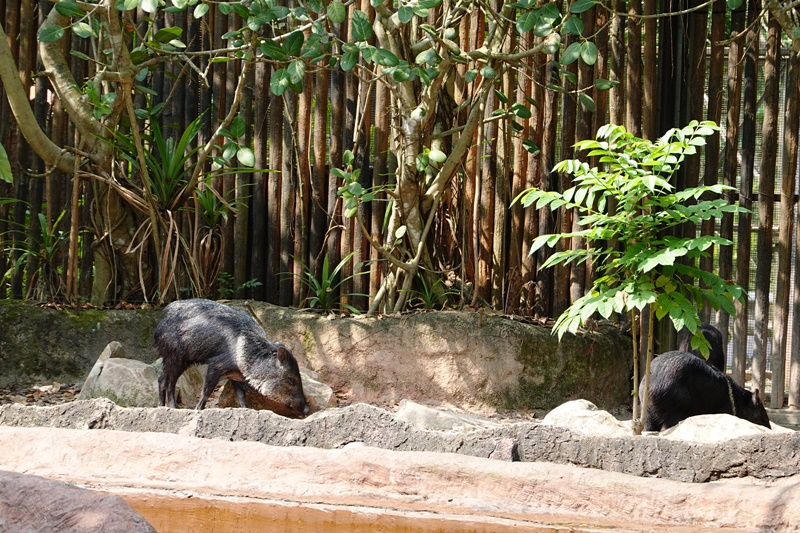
x: 764, y: 456
x: 525, y: 494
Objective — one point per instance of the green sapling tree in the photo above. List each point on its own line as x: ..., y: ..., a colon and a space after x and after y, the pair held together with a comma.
x: 629, y: 200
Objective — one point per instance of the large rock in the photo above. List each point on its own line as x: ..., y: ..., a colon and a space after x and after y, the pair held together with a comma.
x: 582, y: 416
x: 33, y: 503
x: 470, y: 360
x: 371, y: 483
x: 126, y: 382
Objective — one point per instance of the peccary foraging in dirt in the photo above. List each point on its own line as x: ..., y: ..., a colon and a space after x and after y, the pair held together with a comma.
x: 234, y: 347
x: 683, y: 385
x: 716, y: 357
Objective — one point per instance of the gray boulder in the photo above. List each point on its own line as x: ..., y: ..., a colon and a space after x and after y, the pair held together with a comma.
x: 126, y: 382
x: 33, y: 503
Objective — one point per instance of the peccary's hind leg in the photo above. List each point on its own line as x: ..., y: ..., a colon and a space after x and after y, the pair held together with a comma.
x: 239, y: 387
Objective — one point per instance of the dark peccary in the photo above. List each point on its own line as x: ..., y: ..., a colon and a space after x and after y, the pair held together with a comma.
x: 681, y: 385
x: 716, y: 357
x: 234, y: 347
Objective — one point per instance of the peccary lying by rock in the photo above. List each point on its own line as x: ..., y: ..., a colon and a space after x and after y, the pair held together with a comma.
x: 683, y: 385
x: 716, y: 357
x: 234, y: 347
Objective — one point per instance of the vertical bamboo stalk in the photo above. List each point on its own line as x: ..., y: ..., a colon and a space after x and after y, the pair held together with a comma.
x: 258, y: 209
x: 303, y: 201
x: 648, y: 87
x: 633, y: 85
x: 766, y: 206
x: 714, y: 113
x: 274, y: 275
x: 780, y: 345
x: 740, y: 80
x: 319, y: 217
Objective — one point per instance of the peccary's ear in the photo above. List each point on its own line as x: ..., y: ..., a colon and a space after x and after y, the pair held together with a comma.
x: 756, y: 397
x: 282, y: 353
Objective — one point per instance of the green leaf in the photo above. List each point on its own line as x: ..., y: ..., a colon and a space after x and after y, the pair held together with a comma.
x: 521, y: 111
x: 238, y: 127
x: 316, y: 6
x: 587, y: 102
x: 279, y: 82
x: 5, y: 167
x: 604, y: 85
x: 571, y: 54
x: 293, y: 43
x: 272, y: 50
x: 348, y: 158
x: 165, y: 35
x: 246, y: 157
x: 361, y: 28
x: 200, y: 10
x: 589, y: 52
x: 149, y: 6
x: 573, y: 25
x: 734, y: 4
x: 337, y: 12
x: 470, y: 76
x: 385, y: 58
x: 83, y: 30
x: 296, y: 71
x: 427, y: 57
x: 579, y: 6
x: 68, y: 8
x: 51, y: 34
x: 126, y: 5
x: 527, y: 21
x: 438, y: 156
x: 349, y: 57
x: 405, y: 14
x: 488, y: 72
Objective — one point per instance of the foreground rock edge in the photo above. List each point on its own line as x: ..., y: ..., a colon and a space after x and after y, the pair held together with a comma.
x: 764, y: 456
x: 401, y: 481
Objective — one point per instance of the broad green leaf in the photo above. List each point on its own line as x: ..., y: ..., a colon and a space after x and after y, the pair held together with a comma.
x: 437, y: 156
x: 470, y: 76
x: 296, y: 71
x: 405, y: 14
x: 337, y: 12
x: 5, y: 167
x: 237, y: 127
x: 126, y: 5
x: 579, y: 6
x: 527, y: 21
x: 246, y: 157
x: 279, y: 82
x: 573, y: 25
x: 426, y: 57
x: 361, y: 27
x: 200, y: 10
x: 293, y: 43
x: 51, y: 34
x: 273, y: 50
x: 604, y: 85
x: 348, y: 158
x: 68, y: 8
x: 571, y: 54
x: 521, y: 111
x: 83, y: 30
x: 165, y: 35
x: 488, y: 72
x: 149, y: 6
x: 589, y: 52
x: 316, y: 6
x: 349, y: 57
x: 587, y: 102
x: 385, y: 58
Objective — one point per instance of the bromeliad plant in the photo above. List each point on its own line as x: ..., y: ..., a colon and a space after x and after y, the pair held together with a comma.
x: 650, y: 271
